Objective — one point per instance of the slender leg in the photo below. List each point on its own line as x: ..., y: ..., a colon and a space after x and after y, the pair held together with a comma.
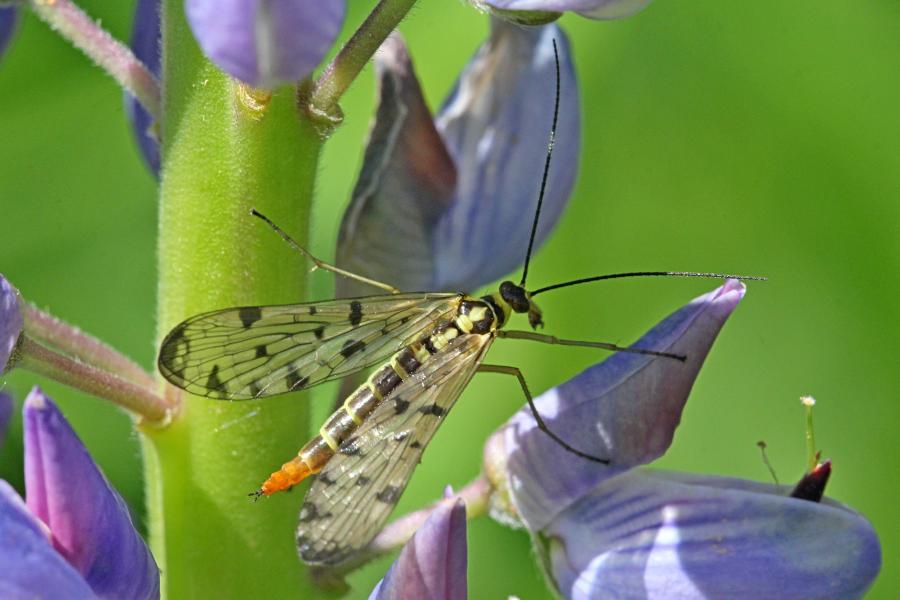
x: 515, y: 372
x: 549, y: 339
x: 319, y: 264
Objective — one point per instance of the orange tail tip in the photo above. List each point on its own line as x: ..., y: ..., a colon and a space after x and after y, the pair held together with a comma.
x: 290, y: 474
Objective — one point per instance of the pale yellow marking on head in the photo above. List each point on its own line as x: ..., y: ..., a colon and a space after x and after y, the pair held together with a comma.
x: 478, y: 313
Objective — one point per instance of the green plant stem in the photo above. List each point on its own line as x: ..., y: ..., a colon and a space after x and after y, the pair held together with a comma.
x: 48, y: 330
x: 351, y: 59
x: 111, y: 55
x: 70, y: 371
x: 226, y: 149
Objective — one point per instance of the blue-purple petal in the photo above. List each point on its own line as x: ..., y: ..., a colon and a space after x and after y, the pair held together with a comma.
x: 11, y: 321
x: 625, y: 409
x: 145, y: 43
x: 595, y: 9
x: 265, y: 43
x: 433, y: 563
x: 496, y: 124
x: 30, y: 567
x: 9, y: 17
x: 88, y: 520
x: 652, y: 535
x: 405, y: 185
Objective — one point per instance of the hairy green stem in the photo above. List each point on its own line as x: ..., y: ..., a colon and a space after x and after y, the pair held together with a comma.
x: 226, y: 149
x: 97, y: 382
x: 347, y: 64
x: 50, y: 331
x: 111, y: 55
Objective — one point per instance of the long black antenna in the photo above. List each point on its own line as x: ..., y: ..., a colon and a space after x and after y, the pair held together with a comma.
x: 556, y: 286
x: 537, y: 213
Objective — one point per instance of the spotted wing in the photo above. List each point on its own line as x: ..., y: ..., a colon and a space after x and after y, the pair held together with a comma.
x: 353, y: 496
x: 257, y: 351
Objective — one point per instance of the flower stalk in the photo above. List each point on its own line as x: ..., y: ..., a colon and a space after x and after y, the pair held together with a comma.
x: 346, y: 65
x: 111, y: 55
x: 221, y: 156
x: 136, y: 398
x: 47, y: 330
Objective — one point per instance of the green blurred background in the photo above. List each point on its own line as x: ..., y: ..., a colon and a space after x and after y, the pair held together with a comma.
x: 757, y: 137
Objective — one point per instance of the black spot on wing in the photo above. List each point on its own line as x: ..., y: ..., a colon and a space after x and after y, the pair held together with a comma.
x: 213, y: 382
x: 355, y: 313
x: 389, y: 495
x: 400, y: 406
x: 313, y: 310
x: 415, y: 444
x: 350, y: 446
x: 175, y: 343
x: 362, y: 481
x: 352, y: 347
x: 310, y: 512
x: 319, y: 332
x: 432, y: 409
x: 293, y: 379
x: 261, y: 351
x: 249, y: 315
x: 325, y: 478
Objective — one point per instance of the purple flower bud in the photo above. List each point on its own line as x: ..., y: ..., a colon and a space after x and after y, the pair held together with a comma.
x: 447, y: 204
x: 266, y: 43
x: 812, y: 485
x: 11, y: 321
x: 9, y: 16
x: 88, y: 521
x: 594, y: 9
x: 145, y: 43
x: 433, y: 563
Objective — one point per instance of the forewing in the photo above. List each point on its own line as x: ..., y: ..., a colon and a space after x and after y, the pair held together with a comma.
x: 353, y: 496
x: 252, y: 352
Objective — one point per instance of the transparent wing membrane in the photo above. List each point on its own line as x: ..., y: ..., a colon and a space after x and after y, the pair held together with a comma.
x: 352, y: 497
x: 253, y: 352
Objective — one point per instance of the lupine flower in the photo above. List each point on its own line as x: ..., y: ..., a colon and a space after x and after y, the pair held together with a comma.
x: 612, y: 531
x: 265, y: 43
x: 11, y: 322
x: 73, y: 537
x: 9, y: 16
x: 447, y: 203
x: 433, y: 563
x: 538, y: 11
x: 145, y: 43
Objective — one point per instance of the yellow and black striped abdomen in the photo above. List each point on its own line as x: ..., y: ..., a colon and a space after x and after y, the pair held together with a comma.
x: 472, y: 316
x: 345, y: 420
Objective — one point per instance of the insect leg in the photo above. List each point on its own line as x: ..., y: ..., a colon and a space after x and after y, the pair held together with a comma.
x: 515, y: 372
x: 550, y: 339
x: 320, y: 264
